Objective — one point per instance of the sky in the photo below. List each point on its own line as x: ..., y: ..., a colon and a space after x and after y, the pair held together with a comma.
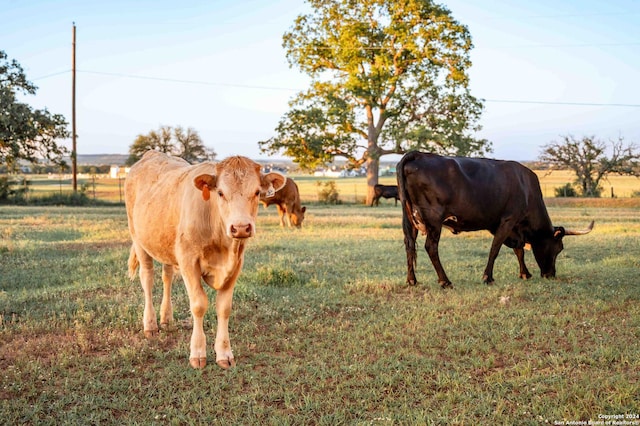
x: 545, y: 69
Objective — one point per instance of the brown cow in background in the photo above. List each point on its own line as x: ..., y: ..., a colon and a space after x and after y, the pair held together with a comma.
x: 195, y: 220
x: 287, y: 201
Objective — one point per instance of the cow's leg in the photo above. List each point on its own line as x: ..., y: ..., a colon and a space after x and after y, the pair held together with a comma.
x: 288, y: 209
x: 487, y: 277
x: 149, y: 320
x: 281, y: 213
x: 431, y: 246
x: 222, y: 346
x: 198, y: 303
x: 224, y: 299
x: 166, y: 308
x: 499, y: 238
x: 524, y: 272
x: 410, y: 235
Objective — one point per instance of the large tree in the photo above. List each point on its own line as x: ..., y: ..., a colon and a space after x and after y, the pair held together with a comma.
x: 588, y: 158
x: 387, y: 76
x: 176, y: 141
x: 26, y: 133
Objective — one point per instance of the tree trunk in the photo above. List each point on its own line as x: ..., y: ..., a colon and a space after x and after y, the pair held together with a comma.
x: 373, y: 155
x: 373, y: 165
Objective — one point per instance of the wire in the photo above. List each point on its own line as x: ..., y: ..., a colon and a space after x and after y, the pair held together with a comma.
x: 559, y: 15
x: 288, y: 89
x: 175, y: 80
x: 51, y: 75
x: 523, y: 46
x: 511, y: 101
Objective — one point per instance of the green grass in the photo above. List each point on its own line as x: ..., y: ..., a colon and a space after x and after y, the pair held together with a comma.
x: 324, y: 328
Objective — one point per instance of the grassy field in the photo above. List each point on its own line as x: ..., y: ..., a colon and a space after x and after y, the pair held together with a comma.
x: 324, y: 328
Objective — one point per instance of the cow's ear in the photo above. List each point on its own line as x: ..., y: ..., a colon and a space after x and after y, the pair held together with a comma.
x: 273, y: 182
x: 558, y: 232
x: 204, y: 183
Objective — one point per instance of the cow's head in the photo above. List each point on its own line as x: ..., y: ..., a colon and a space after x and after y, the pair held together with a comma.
x: 235, y: 190
x: 297, y: 216
x: 547, y: 249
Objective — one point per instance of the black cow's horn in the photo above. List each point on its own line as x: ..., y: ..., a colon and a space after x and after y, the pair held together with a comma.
x: 580, y: 232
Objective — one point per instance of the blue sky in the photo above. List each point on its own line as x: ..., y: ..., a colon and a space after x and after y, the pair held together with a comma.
x: 545, y: 68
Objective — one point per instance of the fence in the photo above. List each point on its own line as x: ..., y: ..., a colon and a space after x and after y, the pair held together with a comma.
x: 102, y: 187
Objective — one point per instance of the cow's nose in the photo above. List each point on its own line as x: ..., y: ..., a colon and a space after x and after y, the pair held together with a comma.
x: 241, y: 231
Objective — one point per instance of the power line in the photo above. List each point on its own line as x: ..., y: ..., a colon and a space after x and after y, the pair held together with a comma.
x: 51, y: 75
x: 559, y: 15
x: 512, y: 101
x: 289, y: 89
x: 527, y: 46
x: 184, y: 81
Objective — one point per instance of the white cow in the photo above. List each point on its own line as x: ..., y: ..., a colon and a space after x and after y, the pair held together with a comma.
x: 194, y: 219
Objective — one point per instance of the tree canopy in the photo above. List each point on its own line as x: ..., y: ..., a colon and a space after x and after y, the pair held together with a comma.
x: 177, y: 141
x: 387, y: 76
x: 26, y: 133
x: 587, y: 157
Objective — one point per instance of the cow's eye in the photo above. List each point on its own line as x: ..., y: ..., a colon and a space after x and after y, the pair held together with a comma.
x: 257, y: 192
x: 220, y: 194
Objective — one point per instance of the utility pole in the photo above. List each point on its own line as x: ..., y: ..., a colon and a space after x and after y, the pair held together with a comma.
x: 74, y: 153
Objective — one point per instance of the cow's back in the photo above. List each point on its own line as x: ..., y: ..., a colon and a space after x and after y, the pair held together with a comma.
x: 156, y: 190
x: 482, y: 191
x: 153, y: 173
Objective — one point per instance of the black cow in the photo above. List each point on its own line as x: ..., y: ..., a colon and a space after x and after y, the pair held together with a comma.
x: 471, y: 194
x: 384, y: 191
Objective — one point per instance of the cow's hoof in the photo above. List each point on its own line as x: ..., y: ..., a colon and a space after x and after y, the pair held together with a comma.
x: 525, y: 276
x: 487, y: 280
x: 446, y: 284
x: 151, y: 334
x: 226, y: 363
x: 198, y: 362
x: 412, y: 282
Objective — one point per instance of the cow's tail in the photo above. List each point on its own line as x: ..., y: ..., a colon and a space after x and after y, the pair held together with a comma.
x: 133, y: 263
x: 408, y: 228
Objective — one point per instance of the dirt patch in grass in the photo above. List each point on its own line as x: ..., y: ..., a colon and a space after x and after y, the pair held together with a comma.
x: 43, y: 348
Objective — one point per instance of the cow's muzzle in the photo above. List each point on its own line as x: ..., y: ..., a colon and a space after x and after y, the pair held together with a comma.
x: 241, y: 231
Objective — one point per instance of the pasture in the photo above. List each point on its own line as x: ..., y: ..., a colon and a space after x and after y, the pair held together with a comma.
x: 351, y: 190
x: 324, y: 328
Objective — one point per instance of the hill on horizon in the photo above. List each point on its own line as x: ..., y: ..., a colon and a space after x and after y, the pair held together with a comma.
x: 100, y: 159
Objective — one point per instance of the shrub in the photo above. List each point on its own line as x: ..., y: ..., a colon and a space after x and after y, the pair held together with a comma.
x: 13, y: 191
x: 565, y: 191
x: 62, y: 199
x: 328, y: 193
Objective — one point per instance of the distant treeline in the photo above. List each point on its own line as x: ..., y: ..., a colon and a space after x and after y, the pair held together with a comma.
x: 101, y: 164
x: 43, y: 169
